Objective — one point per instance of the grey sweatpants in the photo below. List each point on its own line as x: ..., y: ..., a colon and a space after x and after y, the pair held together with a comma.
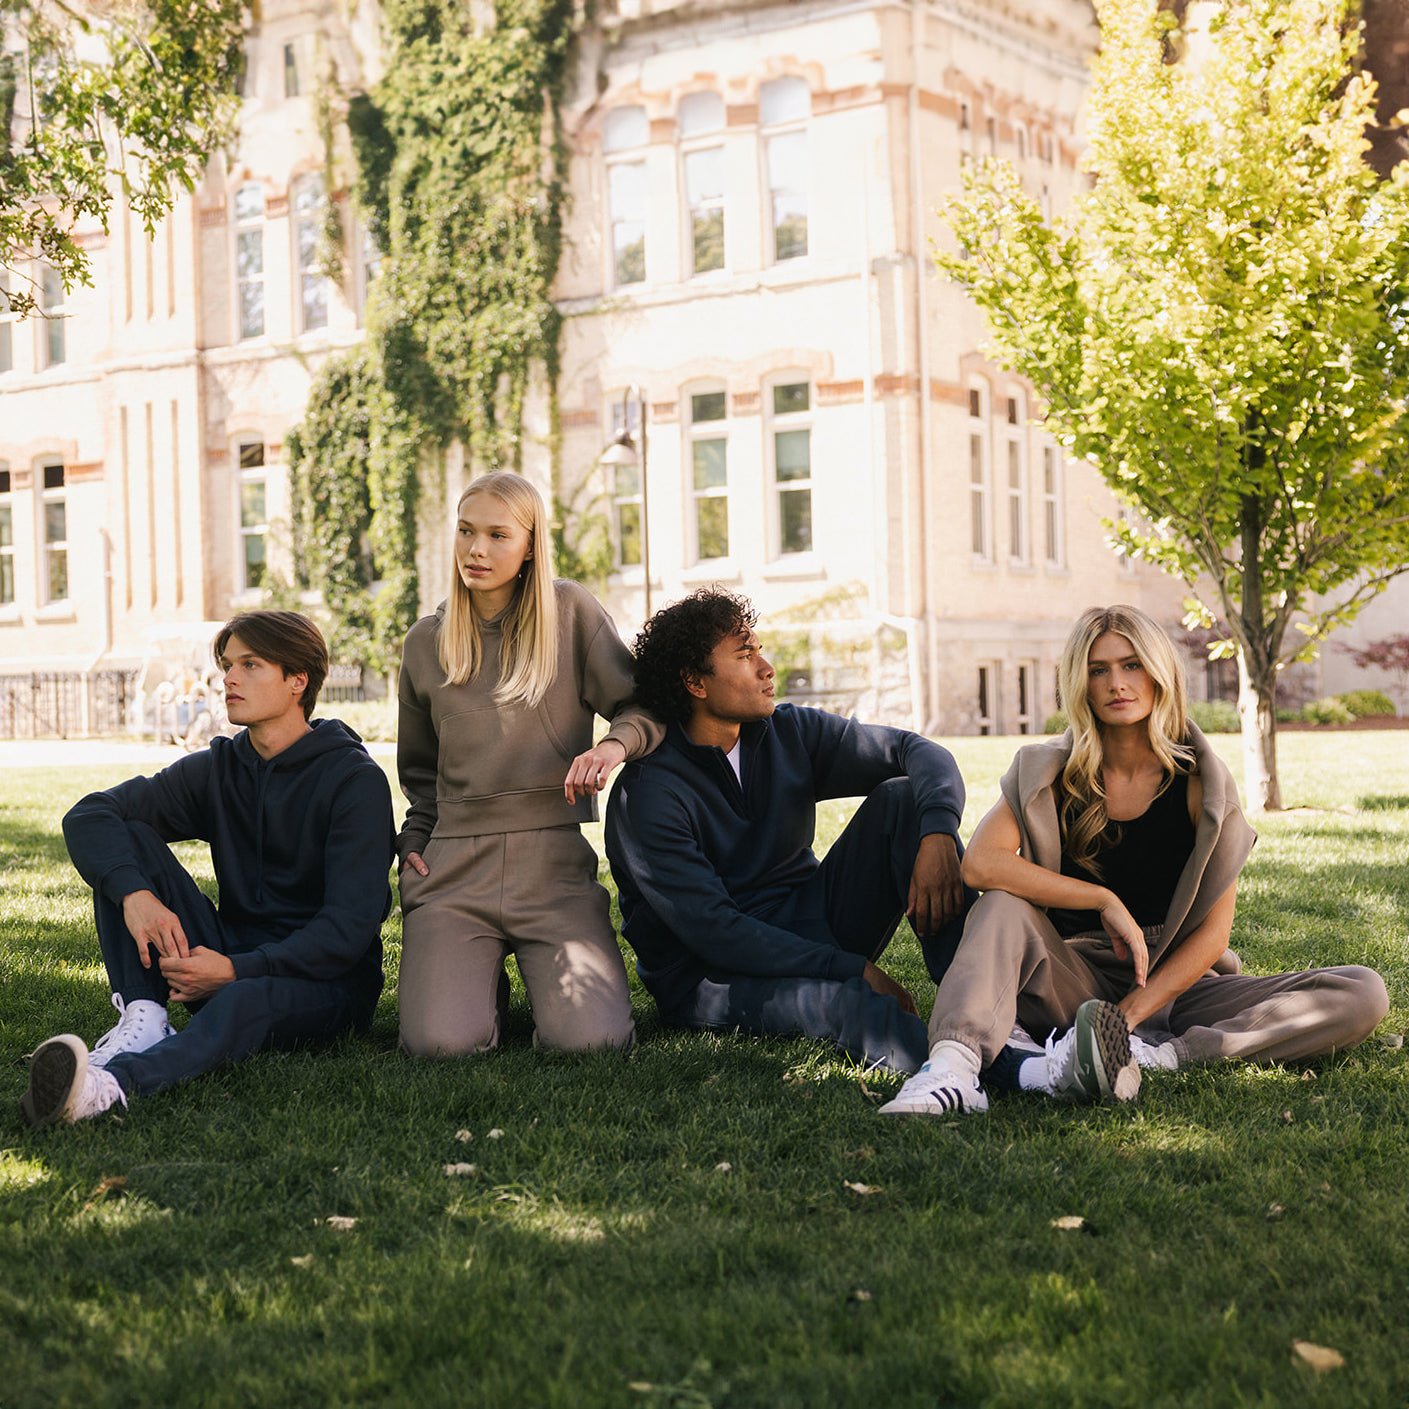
x: 532, y: 893
x: 1013, y: 966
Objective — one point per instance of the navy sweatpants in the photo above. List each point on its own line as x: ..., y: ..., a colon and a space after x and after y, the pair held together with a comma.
x: 854, y: 900
x: 244, y: 1017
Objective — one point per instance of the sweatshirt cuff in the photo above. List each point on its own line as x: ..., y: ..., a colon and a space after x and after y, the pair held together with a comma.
x: 938, y: 819
x: 406, y: 844
x: 254, y: 963
x: 845, y: 965
x: 121, y: 882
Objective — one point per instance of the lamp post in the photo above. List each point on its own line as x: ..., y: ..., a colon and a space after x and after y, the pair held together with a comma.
x: 622, y: 454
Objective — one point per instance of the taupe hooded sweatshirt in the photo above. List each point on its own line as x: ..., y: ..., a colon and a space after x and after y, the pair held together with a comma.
x: 1222, y: 838
x: 471, y: 766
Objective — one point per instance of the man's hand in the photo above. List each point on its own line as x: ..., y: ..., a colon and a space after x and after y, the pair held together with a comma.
x: 414, y: 861
x: 197, y: 974
x: 153, y: 926
x: 881, y: 982
x: 589, y: 771
x: 1127, y: 938
x: 936, y: 892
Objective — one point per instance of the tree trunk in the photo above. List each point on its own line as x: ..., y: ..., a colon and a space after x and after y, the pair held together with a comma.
x: 1257, y: 712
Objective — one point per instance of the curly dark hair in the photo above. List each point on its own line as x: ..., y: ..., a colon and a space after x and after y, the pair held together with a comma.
x: 678, y: 642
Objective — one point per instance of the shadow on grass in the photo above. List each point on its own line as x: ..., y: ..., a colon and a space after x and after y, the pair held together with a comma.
x: 1384, y: 803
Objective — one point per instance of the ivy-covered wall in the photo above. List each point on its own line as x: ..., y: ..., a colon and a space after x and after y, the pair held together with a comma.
x: 459, y: 178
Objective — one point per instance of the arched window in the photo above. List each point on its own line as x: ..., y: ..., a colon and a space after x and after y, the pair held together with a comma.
x: 309, y: 214
x: 700, y: 122
x: 624, y: 136
x: 249, y: 260
x: 784, y: 106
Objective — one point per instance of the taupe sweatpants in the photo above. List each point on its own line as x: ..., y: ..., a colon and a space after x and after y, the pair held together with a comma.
x: 532, y: 893
x: 1013, y: 966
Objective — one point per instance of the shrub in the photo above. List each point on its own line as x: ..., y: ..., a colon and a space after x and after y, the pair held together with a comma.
x: 1326, y: 711
x: 1215, y: 716
x: 1055, y: 723
x: 373, y: 719
x: 1365, y: 704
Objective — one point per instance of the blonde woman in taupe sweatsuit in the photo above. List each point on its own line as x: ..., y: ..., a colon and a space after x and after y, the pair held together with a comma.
x: 1109, y: 873
x: 498, y: 694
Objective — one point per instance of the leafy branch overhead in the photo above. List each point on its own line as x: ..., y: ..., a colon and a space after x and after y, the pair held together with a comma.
x: 460, y: 181
x: 1220, y: 323
x: 94, y: 98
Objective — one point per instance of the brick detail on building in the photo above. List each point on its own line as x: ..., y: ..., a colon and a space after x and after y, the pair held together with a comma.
x: 80, y: 474
x: 949, y: 393
x: 897, y: 384
x: 579, y: 420
x: 665, y: 410
x: 744, y: 403
x: 840, y: 393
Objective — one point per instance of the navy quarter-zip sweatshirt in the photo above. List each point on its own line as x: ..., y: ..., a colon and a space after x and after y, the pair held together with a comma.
x: 301, y: 844
x: 698, y: 859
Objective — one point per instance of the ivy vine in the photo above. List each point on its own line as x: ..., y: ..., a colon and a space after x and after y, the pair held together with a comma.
x: 460, y: 178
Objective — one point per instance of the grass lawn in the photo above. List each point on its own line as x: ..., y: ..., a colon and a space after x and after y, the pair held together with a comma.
x: 718, y: 1221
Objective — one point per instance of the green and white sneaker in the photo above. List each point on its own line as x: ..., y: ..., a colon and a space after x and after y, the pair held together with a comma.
x: 1093, y: 1062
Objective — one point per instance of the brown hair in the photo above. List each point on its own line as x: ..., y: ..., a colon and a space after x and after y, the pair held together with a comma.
x: 285, y: 639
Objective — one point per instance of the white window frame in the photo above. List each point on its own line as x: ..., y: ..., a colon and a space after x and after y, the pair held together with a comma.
x: 696, y: 433
x: 308, y: 279
x: 1053, y: 505
x: 980, y: 475
x: 627, y: 154
x: 1016, y: 488
x: 249, y: 475
x: 53, y: 331
x: 699, y: 138
x: 292, y: 75
x: 787, y: 129
x: 7, y: 326
x: 248, y: 225
x: 783, y: 423
x: 52, y: 548
x: 1028, y: 716
x: 986, y: 698
x: 7, y: 550
x: 625, y: 418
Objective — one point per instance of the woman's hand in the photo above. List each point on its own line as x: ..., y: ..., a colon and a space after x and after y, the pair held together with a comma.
x: 589, y: 771
x: 413, y: 860
x: 1127, y: 938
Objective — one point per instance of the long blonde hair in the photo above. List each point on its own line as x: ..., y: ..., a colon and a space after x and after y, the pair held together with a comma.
x: 1083, y: 803
x: 528, y: 658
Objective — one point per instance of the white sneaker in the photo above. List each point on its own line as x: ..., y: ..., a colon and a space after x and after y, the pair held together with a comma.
x: 938, y: 1090
x: 1092, y: 1061
x: 141, y: 1023
x: 1154, y: 1056
x: 64, y: 1086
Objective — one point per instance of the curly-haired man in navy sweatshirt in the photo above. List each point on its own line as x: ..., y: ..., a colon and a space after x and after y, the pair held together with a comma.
x: 298, y: 819
x: 735, y: 923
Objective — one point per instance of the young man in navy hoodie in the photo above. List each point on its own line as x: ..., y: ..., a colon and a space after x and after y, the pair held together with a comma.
x: 299, y: 823
x: 735, y: 923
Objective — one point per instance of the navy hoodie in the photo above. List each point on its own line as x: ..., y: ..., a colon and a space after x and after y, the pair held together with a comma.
x: 301, y: 845
x: 698, y: 859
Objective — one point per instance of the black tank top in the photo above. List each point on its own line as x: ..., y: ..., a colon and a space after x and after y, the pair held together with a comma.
x: 1141, y: 861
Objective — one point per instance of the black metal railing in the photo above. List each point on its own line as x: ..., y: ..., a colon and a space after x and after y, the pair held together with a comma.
x: 65, y: 704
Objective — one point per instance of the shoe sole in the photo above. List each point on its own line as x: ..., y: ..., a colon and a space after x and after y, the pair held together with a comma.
x: 1105, y: 1070
x: 56, y: 1071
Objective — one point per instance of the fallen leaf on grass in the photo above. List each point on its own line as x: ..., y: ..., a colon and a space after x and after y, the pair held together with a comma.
x: 340, y: 1223
x: 495, y: 1134
x: 860, y: 1294
x: 302, y: 1260
x: 461, y: 1170
x: 1308, y: 1075
x: 1320, y: 1357
x: 1072, y: 1223
x: 463, y: 1136
x: 1393, y: 1040
x: 866, y: 1091
x: 1275, y: 1211
x: 109, y: 1184
x: 1287, y: 1117
x: 723, y: 1167
x: 861, y: 1189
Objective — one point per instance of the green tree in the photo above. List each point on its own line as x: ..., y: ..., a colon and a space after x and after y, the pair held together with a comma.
x: 96, y: 98
x: 1220, y: 324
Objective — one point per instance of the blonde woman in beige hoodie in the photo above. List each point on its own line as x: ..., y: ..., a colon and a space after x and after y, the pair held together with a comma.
x: 498, y: 696
x: 1109, y: 872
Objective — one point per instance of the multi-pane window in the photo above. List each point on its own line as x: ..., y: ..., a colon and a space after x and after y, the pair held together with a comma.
x: 709, y: 475
x: 792, y: 464
x: 291, y: 84
x: 985, y: 699
x: 309, y: 215
x: 624, y: 133
x: 7, y: 344
x: 54, y: 507
x: 980, y: 516
x: 700, y: 123
x: 51, y: 300
x: 1027, y: 703
x: 7, y: 540
x: 249, y: 260
x: 783, y: 109
x: 254, y: 515
x: 1052, y: 504
x: 1016, y: 456
x: 626, y: 491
